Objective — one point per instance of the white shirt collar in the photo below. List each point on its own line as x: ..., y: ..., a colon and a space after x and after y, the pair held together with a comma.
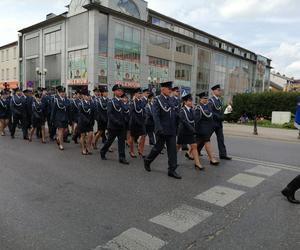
x: 188, y: 108
x: 216, y: 97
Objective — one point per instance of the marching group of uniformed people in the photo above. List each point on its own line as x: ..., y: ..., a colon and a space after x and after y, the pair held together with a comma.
x: 170, y: 121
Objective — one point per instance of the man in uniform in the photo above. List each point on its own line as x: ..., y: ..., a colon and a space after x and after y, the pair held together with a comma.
x: 290, y: 190
x: 217, y: 110
x: 18, y: 110
x: 116, y: 125
x: 164, y: 116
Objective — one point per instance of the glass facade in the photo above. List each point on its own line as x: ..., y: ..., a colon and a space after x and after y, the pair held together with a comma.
x: 157, y: 40
x: 103, y: 49
x: 53, y: 42
x: 32, y: 79
x: 184, y: 48
x: 53, y: 66
x: 158, y: 69
x: 203, y: 70
x: 183, y: 75
x: 127, y: 55
x: 32, y: 47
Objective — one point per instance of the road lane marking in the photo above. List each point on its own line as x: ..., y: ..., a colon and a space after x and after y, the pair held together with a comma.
x: 246, y: 180
x: 134, y: 239
x: 220, y: 196
x: 182, y: 218
x: 269, y: 164
x: 263, y: 170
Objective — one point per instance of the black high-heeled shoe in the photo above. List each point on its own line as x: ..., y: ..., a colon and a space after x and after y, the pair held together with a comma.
x: 214, y: 163
x: 188, y: 156
x: 200, y: 168
x: 141, y: 155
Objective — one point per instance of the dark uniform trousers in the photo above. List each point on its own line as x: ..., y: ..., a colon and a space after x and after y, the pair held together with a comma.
x: 218, y: 129
x: 294, y: 185
x: 112, y: 135
x: 216, y: 105
x: 165, y: 119
x: 170, y: 142
x: 17, y: 119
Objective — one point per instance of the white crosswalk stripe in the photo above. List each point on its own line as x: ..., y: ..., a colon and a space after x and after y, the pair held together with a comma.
x: 246, y: 180
x: 220, y: 196
x: 263, y: 170
x: 182, y: 218
x: 134, y: 239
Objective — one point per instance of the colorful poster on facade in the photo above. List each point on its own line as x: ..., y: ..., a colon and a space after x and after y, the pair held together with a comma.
x: 77, y: 68
x: 102, y: 73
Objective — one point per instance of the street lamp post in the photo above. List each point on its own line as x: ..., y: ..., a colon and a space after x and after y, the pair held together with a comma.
x: 41, y: 73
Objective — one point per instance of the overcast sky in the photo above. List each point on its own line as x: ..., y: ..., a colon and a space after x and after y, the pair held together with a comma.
x: 268, y: 27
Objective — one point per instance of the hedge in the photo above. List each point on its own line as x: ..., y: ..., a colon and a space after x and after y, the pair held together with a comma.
x: 263, y: 104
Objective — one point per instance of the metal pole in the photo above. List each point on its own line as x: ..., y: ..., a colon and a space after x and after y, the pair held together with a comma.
x: 255, y: 126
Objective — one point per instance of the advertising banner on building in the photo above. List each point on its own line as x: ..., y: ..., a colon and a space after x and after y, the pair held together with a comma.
x: 77, y: 68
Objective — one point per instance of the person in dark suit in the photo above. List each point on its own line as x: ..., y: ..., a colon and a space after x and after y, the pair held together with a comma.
x: 164, y: 116
x: 86, y: 122
x: 38, y: 117
x: 4, y: 111
x: 74, y: 110
x: 290, y: 190
x: 137, y: 123
x: 116, y: 125
x: 187, y: 129
x: 126, y: 108
x: 60, y: 115
x: 205, y: 126
x: 149, y: 122
x: 101, y: 101
x: 217, y: 109
x: 28, y: 104
x: 146, y: 93
x: 47, y: 100
x: 18, y: 109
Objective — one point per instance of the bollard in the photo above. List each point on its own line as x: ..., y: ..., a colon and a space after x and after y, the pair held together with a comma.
x: 255, y: 126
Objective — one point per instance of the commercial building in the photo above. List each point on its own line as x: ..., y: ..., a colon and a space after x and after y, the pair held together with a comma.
x: 9, y: 65
x: 122, y: 41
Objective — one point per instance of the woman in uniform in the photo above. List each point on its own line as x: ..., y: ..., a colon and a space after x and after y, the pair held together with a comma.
x: 74, y: 107
x: 4, y: 111
x: 38, y: 117
x: 86, y: 123
x: 149, y: 122
x: 60, y: 115
x: 137, y: 123
x: 126, y: 110
x: 204, y: 126
x: 186, y: 129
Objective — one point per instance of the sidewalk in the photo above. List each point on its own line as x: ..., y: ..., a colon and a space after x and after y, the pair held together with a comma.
x: 263, y: 133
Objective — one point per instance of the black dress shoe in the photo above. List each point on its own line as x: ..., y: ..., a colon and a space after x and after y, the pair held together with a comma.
x: 124, y: 162
x: 290, y: 196
x: 103, y: 157
x: 226, y: 158
x: 147, y: 166
x: 173, y: 174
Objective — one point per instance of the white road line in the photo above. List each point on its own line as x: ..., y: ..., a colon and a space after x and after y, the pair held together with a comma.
x: 182, y: 218
x: 246, y: 180
x: 269, y: 164
x: 220, y: 196
x: 263, y: 170
x: 134, y: 239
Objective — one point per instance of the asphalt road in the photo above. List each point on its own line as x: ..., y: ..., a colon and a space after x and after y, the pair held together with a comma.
x: 62, y: 200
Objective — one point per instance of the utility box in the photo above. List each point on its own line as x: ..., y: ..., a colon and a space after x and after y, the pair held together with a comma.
x: 279, y: 117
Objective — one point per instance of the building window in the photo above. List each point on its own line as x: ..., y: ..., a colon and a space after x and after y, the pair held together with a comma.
x: 7, y: 55
x: 2, y: 74
x: 201, y: 38
x: 220, y: 69
x: 53, y: 66
x: 32, y: 47
x: 158, y: 69
x: 103, y: 48
x: 183, y: 74
x: 203, y: 70
x: 184, y: 48
x: 7, y: 74
x: 2, y: 55
x: 32, y: 79
x: 127, y: 55
x: 15, y: 73
x: 161, y: 23
x: 15, y: 53
x: 160, y: 41
x: 53, y: 42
